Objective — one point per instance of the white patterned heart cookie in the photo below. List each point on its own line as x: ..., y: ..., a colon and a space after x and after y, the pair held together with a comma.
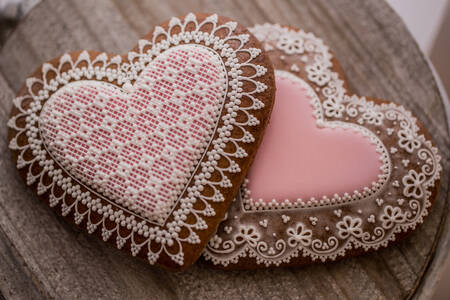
x: 138, y: 147
x: 147, y: 150
x: 336, y: 174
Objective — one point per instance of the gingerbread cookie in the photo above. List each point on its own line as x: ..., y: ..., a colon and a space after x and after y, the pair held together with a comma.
x: 148, y: 149
x: 336, y: 175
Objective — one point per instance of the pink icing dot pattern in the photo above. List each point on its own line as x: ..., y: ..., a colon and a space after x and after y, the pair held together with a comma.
x: 139, y: 147
x: 297, y: 159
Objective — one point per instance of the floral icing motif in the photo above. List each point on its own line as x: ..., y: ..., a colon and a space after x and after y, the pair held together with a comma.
x: 413, y: 183
x: 349, y: 226
x: 391, y: 216
x: 333, y: 108
x: 408, y: 141
x: 290, y: 44
x: 372, y: 116
x: 247, y: 234
x: 359, y: 222
x: 157, y: 233
x: 299, y: 234
x: 318, y: 73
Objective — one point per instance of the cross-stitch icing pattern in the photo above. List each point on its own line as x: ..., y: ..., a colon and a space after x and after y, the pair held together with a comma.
x: 139, y: 147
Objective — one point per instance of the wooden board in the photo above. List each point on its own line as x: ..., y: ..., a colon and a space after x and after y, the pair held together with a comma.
x: 43, y: 257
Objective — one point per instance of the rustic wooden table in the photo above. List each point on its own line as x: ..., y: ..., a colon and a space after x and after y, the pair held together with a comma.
x: 41, y: 256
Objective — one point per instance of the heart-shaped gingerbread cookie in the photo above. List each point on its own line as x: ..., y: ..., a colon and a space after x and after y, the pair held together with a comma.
x: 336, y: 175
x: 148, y: 149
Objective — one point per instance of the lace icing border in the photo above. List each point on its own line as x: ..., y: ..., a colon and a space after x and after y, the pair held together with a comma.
x: 112, y: 219
x: 326, y: 229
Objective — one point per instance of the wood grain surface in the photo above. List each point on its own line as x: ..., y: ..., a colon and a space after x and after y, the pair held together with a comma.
x: 41, y: 256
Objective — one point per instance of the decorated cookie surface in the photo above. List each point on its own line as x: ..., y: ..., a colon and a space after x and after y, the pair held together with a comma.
x: 336, y: 174
x: 148, y: 149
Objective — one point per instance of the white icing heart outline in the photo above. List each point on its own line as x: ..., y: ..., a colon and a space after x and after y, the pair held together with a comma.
x: 299, y: 240
x: 128, y: 90
x: 148, y: 241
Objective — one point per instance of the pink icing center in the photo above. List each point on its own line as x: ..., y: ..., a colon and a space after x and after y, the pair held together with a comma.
x: 139, y: 147
x: 297, y: 159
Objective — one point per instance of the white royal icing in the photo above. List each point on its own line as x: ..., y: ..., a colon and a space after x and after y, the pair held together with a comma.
x: 139, y: 147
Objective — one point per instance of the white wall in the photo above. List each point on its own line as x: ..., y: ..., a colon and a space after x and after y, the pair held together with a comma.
x: 423, y: 18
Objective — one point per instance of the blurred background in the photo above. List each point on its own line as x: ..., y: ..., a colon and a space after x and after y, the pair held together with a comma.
x: 428, y: 22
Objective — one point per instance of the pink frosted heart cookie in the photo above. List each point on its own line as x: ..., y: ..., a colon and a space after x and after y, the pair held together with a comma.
x: 148, y: 149
x: 336, y: 174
